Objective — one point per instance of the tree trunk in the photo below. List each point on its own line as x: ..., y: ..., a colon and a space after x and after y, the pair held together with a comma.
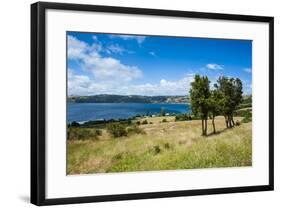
x: 206, y: 126
x: 232, y: 121
x: 229, y: 124
x: 203, y: 129
x: 226, y: 121
x: 213, y: 122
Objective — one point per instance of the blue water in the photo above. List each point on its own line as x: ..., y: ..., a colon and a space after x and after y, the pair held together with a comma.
x: 95, y: 111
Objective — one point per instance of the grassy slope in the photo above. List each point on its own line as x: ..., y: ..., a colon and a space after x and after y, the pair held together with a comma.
x: 164, y: 146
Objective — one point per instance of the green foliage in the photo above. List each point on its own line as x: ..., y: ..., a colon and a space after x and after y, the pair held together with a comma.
x: 120, y: 130
x: 76, y: 133
x: 167, y: 145
x: 244, y: 105
x: 156, y: 149
x: 164, y: 120
x: 135, y: 130
x: 237, y: 123
x: 231, y: 91
x: 247, y: 117
x: 138, y: 122
x: 215, y: 103
x: 129, y: 121
x: 74, y: 124
x: 144, y: 122
x: 183, y: 117
x: 243, y: 113
x: 199, y: 95
x: 116, y: 129
x: 98, y: 132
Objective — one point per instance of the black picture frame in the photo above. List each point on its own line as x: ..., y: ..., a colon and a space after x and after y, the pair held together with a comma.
x: 38, y: 99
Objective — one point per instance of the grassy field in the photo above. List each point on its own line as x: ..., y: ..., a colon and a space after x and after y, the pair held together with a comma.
x: 163, y: 146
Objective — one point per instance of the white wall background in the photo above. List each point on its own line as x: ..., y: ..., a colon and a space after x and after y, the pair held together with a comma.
x: 15, y: 101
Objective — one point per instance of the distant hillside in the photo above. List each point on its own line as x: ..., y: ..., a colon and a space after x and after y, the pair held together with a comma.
x: 128, y: 99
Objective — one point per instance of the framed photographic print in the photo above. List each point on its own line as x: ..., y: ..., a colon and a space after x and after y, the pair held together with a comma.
x: 134, y: 103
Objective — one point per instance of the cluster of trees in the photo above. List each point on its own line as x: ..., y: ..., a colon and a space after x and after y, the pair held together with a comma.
x: 223, y: 99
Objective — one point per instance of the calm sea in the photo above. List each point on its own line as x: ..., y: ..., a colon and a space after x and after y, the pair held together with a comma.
x: 95, y: 111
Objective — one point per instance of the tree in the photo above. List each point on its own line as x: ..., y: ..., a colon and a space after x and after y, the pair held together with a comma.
x: 215, y: 102
x: 231, y: 91
x: 199, y: 96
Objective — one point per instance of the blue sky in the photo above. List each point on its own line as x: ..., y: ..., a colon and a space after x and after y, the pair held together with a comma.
x: 151, y: 65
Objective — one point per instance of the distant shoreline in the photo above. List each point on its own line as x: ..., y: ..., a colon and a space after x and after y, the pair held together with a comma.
x: 97, y: 121
x: 105, y: 98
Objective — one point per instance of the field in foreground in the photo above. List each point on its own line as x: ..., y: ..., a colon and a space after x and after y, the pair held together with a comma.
x: 163, y: 146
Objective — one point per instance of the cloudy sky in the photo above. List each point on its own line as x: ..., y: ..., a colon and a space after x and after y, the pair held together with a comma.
x: 151, y: 65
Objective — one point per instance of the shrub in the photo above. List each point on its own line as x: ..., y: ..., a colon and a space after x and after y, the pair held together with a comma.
x: 150, y: 122
x: 98, y: 132
x: 138, y: 122
x: 164, y: 120
x: 116, y: 129
x: 74, y: 124
x: 183, y: 117
x: 156, y: 149
x: 246, y: 119
x: 135, y: 130
x: 75, y: 133
x: 243, y: 113
x: 237, y: 123
x: 144, y: 122
x: 247, y: 114
x: 167, y: 146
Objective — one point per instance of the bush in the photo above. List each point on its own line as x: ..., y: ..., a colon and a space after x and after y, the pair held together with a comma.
x: 183, y: 117
x: 150, y: 122
x: 247, y: 114
x: 167, y: 145
x: 74, y: 124
x: 156, y: 149
x: 98, y: 132
x: 164, y: 120
x: 144, y: 122
x: 237, y: 123
x: 75, y: 133
x: 116, y: 129
x: 138, y: 122
x: 135, y: 130
x: 246, y: 119
x: 243, y: 113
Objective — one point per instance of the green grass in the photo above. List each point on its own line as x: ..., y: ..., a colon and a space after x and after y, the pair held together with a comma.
x: 163, y: 146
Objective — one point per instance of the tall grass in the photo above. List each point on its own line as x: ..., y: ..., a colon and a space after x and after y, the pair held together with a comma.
x: 163, y: 146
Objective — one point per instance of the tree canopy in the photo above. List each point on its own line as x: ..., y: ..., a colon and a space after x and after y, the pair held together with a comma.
x: 222, y: 100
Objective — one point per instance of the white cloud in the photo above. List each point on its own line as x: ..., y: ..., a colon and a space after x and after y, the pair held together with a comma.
x: 94, y: 37
x: 248, y: 70
x: 115, y: 48
x: 165, y: 87
x: 84, y: 85
x: 107, y: 75
x: 152, y: 53
x: 213, y: 66
x: 138, y: 38
x: 103, y: 68
x: 107, y: 68
x: 76, y: 48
